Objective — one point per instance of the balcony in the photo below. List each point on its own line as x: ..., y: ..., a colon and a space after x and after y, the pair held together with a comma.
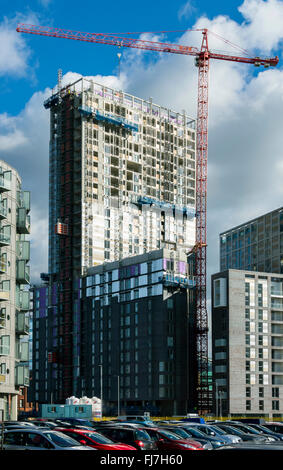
x: 5, y: 239
x: 4, y: 350
x: 5, y: 184
x: 3, y: 211
x: 23, y: 300
x: 3, y: 263
x: 23, y: 272
x: 4, y: 294
x: 23, y: 221
x: 23, y: 250
x: 22, y: 376
x: 22, y: 323
x: 3, y: 318
x: 23, y: 199
x: 22, y: 351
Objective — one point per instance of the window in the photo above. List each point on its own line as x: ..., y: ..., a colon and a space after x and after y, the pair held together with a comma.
x: 275, y: 405
x: 5, y: 345
x: 275, y: 392
x: 36, y: 440
x: 14, y: 438
x: 261, y: 405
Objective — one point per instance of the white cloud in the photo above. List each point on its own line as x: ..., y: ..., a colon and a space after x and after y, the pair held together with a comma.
x: 263, y: 23
x: 15, y: 54
x: 186, y: 10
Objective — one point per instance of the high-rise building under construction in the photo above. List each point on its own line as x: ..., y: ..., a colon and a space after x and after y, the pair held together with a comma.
x: 122, y: 185
x: 122, y: 177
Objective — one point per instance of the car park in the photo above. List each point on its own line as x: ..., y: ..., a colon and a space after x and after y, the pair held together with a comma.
x: 35, y: 439
x: 138, y: 438
x: 95, y: 440
x: 167, y: 440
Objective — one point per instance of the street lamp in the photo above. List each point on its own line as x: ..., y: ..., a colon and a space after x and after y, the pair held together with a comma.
x: 101, y: 387
x: 118, y: 393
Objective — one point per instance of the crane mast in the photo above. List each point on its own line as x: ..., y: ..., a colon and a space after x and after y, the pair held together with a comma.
x: 203, y: 56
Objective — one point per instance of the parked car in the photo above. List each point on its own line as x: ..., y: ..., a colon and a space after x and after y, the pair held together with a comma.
x: 256, y: 438
x: 264, y: 430
x: 196, y: 434
x: 273, y: 426
x: 249, y: 430
x: 44, y: 424
x: 167, y: 440
x: 185, y: 434
x: 76, y: 421
x: 140, y: 420
x: 138, y: 438
x: 211, y: 430
x: 95, y: 440
x: 35, y: 439
x: 17, y: 423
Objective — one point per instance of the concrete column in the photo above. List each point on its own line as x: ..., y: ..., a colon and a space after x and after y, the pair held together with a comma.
x: 14, y: 407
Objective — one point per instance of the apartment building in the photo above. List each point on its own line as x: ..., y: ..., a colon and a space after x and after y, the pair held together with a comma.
x: 14, y: 293
x: 256, y: 245
x: 247, y: 343
x: 131, y: 335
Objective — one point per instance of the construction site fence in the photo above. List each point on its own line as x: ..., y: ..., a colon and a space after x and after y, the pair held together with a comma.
x: 206, y: 418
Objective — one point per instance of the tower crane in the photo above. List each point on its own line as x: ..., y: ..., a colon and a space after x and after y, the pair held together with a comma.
x: 202, y: 59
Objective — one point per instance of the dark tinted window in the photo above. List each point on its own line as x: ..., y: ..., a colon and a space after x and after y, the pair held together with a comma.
x: 123, y: 434
x: 153, y: 435
x: 14, y: 438
x: 142, y: 435
x: 60, y: 439
x: 36, y: 440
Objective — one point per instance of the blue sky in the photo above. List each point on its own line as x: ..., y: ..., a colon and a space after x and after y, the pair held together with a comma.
x: 245, y: 168
x: 47, y: 55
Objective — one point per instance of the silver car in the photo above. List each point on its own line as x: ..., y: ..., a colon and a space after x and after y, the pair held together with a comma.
x: 212, y: 430
x: 44, y: 439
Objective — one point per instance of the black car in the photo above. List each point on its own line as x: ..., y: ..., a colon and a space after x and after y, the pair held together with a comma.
x: 257, y: 438
x: 137, y: 438
x: 275, y: 427
x: 250, y: 430
x: 264, y: 430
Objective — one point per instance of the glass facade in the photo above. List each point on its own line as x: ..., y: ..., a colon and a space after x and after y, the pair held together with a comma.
x: 256, y: 245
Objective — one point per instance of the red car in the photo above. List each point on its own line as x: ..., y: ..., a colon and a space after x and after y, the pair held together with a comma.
x: 94, y: 439
x: 167, y: 440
